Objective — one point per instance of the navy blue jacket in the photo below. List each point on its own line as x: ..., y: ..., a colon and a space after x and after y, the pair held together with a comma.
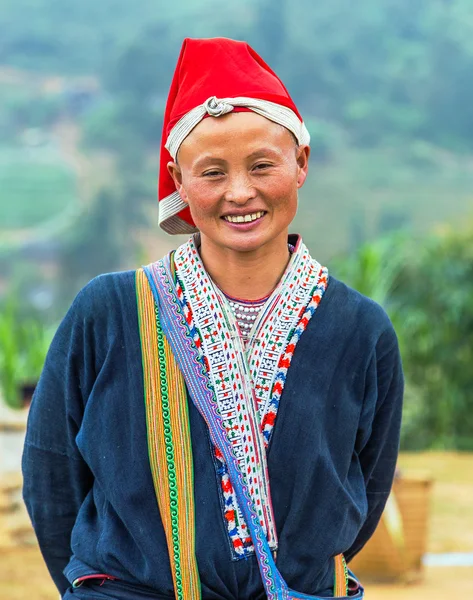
x: 87, y: 480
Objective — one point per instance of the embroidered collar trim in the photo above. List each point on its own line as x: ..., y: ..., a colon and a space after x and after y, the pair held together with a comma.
x: 248, y: 384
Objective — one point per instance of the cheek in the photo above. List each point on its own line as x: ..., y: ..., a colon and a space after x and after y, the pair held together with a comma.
x: 282, y: 193
x: 201, y: 196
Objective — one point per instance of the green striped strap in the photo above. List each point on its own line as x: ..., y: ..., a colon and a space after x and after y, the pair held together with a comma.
x: 169, y: 444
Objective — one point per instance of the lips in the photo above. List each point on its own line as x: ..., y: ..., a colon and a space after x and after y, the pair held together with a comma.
x: 248, y: 218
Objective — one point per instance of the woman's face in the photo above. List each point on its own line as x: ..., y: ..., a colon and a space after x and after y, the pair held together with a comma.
x: 240, y: 176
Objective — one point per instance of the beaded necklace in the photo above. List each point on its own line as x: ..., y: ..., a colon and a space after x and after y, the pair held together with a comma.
x: 246, y: 311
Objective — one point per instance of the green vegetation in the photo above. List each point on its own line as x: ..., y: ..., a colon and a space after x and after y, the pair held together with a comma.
x: 81, y: 37
x: 22, y: 107
x: 23, y: 345
x: 33, y: 190
x: 426, y: 286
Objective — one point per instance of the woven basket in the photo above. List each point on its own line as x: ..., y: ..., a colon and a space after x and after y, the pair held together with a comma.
x: 385, y: 559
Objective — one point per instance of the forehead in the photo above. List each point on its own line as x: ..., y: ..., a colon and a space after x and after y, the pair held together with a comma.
x: 241, y: 130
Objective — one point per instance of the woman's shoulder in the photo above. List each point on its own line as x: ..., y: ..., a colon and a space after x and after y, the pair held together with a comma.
x: 118, y: 282
x: 357, y: 313
x: 104, y: 295
x: 351, y: 300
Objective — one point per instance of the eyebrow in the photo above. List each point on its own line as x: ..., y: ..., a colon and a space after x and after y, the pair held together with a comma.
x: 208, y: 158
x: 262, y: 152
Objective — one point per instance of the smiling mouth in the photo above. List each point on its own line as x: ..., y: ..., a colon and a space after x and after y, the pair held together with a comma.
x: 244, y: 218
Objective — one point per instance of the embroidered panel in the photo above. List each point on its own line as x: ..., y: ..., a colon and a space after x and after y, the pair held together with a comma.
x: 248, y: 385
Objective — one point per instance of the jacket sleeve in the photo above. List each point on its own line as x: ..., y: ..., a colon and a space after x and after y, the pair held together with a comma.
x: 378, y: 443
x: 56, y: 478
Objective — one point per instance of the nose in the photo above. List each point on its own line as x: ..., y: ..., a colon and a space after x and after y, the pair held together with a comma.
x: 240, y: 189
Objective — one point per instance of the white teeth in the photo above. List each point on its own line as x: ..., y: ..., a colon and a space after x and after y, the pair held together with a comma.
x: 244, y: 219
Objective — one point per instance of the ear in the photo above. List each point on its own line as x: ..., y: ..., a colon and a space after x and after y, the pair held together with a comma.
x: 302, y: 158
x: 175, y: 171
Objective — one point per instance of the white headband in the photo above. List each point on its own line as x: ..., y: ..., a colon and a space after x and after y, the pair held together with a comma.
x: 217, y: 107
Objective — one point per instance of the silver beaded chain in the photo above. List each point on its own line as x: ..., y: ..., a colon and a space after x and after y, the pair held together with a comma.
x: 246, y: 314
x: 246, y: 311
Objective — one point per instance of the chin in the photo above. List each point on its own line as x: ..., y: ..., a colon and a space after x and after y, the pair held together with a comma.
x: 242, y: 241
x: 245, y: 247
x: 248, y: 245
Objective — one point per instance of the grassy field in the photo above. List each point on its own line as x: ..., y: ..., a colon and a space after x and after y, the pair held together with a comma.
x: 451, y: 529
x: 32, y: 189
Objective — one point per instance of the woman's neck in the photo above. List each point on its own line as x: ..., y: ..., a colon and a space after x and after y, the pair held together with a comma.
x: 248, y: 275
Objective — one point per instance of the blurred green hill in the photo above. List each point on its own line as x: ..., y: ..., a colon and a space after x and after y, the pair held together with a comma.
x: 384, y: 70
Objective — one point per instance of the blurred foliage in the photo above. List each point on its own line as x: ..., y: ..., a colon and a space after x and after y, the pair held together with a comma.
x: 385, y: 70
x: 436, y: 322
x: 24, y: 342
x: 98, y: 243
x: 375, y: 268
x: 22, y: 108
x: 426, y: 287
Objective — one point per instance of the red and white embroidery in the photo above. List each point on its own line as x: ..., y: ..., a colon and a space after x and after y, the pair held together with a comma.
x: 248, y: 384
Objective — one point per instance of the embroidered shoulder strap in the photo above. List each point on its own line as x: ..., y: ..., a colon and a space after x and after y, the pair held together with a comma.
x: 169, y: 444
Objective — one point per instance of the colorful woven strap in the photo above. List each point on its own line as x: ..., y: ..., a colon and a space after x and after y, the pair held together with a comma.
x: 340, y: 588
x: 169, y: 444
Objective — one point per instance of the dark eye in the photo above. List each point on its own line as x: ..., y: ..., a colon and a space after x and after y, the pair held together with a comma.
x: 212, y: 173
x: 261, y: 166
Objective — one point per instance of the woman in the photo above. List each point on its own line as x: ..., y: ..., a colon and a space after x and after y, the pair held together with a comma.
x: 223, y: 423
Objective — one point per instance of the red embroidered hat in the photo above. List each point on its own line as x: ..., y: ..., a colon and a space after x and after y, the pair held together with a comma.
x: 212, y: 78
